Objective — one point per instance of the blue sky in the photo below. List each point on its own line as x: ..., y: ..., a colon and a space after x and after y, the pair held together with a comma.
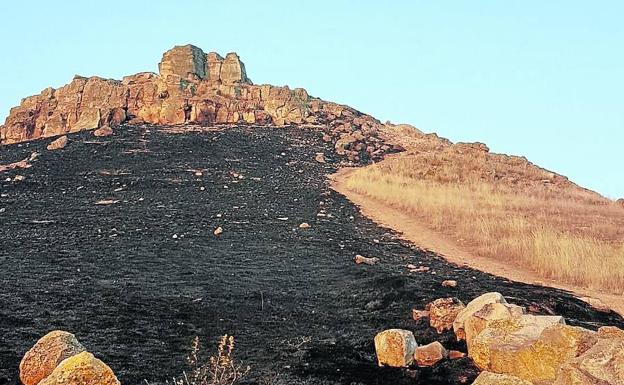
x: 543, y: 79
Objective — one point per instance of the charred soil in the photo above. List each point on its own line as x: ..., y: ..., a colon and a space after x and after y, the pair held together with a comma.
x: 136, y: 278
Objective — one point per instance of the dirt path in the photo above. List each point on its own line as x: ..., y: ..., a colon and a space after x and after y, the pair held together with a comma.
x: 428, y: 239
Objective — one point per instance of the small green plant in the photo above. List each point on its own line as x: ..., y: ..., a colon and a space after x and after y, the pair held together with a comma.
x: 219, y: 369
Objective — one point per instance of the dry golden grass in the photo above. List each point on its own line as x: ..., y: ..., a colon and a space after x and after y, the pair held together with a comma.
x: 506, y: 208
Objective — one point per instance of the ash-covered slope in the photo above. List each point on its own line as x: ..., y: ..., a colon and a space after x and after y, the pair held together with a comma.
x: 192, y: 87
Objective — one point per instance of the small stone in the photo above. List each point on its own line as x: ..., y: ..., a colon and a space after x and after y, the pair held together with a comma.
x: 429, y: 355
x: 57, y: 144
x: 103, y: 131
x: 456, y: 354
x: 449, y: 283
x: 359, y: 259
x: 395, y: 348
x: 304, y: 225
x: 320, y: 157
x: 218, y: 231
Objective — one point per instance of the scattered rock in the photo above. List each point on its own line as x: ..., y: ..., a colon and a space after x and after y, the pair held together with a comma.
x: 218, y: 231
x: 320, y: 157
x: 488, y: 378
x: 442, y: 313
x: 395, y: 348
x: 360, y: 259
x: 419, y: 314
x: 474, y: 306
x: 421, y: 269
x: 103, y: 131
x: 57, y: 144
x: 456, y: 354
x: 449, y: 283
x: 429, y: 355
x: 81, y: 369
x: 46, y: 355
x: 304, y: 225
x: 105, y: 202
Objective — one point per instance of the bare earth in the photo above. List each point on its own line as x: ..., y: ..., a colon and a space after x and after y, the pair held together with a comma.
x: 434, y: 241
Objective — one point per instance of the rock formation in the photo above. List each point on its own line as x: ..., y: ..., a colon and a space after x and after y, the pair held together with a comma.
x: 192, y: 87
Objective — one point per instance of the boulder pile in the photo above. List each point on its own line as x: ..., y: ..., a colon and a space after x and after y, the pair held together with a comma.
x: 59, y: 359
x: 513, y: 347
x: 192, y: 87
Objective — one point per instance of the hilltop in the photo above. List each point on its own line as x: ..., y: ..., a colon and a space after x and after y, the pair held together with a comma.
x: 143, y: 212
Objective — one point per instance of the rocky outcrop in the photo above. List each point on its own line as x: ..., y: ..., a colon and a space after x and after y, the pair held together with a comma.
x: 191, y: 87
x: 46, y: 355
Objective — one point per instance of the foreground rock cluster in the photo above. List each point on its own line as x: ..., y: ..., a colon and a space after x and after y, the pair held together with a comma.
x: 192, y: 87
x: 511, y: 346
x: 59, y: 359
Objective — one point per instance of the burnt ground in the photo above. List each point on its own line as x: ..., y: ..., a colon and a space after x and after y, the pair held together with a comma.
x: 135, y: 295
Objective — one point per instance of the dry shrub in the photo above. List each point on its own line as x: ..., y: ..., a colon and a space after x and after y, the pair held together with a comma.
x: 506, y: 209
x: 219, y: 369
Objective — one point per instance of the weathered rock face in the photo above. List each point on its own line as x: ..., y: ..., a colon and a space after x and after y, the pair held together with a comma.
x: 603, y: 363
x: 192, y: 87
x: 46, y: 355
x: 488, y: 314
x: 183, y: 61
x: 81, y: 369
x: 474, y: 306
x: 530, y: 347
x: 488, y: 378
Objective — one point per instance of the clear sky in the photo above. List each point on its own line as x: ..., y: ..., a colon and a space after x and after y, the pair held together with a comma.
x: 544, y: 79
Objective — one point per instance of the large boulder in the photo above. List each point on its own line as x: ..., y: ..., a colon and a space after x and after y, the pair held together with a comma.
x: 489, y: 313
x: 529, y: 347
x: 46, y: 355
x: 81, y: 369
x: 183, y: 62
x: 474, y: 306
x: 442, y: 313
x: 395, y: 348
x: 602, y: 364
x: 488, y: 378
